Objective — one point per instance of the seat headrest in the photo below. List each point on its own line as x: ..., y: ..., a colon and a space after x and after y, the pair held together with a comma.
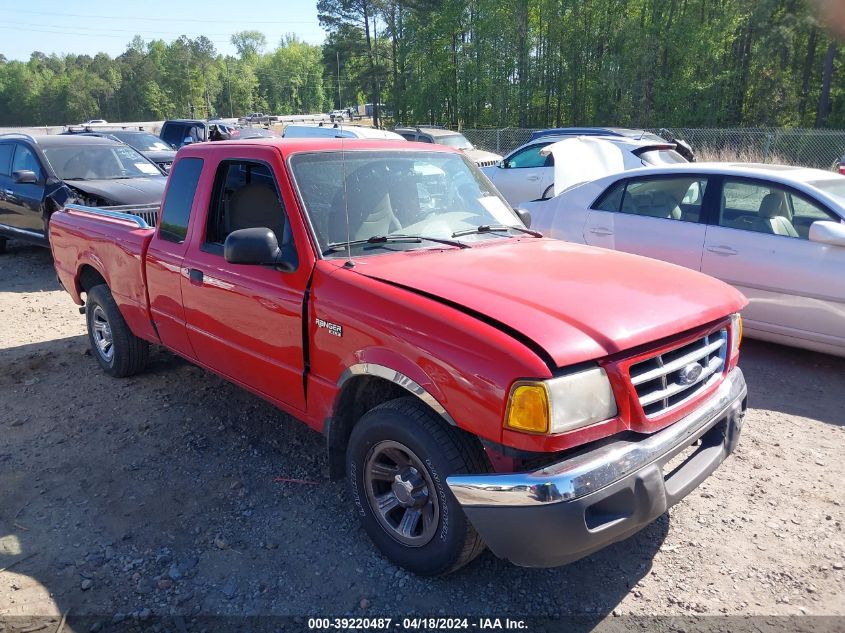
x: 772, y: 206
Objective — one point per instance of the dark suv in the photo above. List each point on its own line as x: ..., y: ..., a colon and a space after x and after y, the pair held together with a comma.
x: 40, y: 174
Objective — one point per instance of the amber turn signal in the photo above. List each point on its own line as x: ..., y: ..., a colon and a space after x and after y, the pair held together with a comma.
x: 528, y: 408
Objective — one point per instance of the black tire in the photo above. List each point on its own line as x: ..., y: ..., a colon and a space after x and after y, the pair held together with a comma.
x: 441, y: 450
x: 548, y: 192
x: 3, y: 242
x: 126, y: 354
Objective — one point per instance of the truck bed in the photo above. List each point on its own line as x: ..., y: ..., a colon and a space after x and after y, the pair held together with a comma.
x: 87, y: 242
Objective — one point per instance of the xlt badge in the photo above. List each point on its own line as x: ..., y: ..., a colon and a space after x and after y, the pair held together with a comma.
x: 333, y: 328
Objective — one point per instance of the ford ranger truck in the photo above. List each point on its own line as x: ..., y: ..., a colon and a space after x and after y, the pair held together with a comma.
x: 476, y: 383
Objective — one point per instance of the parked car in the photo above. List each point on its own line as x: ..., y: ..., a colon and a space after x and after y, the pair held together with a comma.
x: 95, y: 122
x: 621, y: 132
x: 40, y: 174
x: 443, y: 136
x: 528, y: 172
x: 180, y: 132
x: 303, y: 130
x: 257, y: 117
x: 150, y: 145
x: 498, y: 394
x: 776, y: 233
x: 840, y: 166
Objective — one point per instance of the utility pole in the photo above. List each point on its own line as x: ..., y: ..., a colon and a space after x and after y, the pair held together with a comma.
x: 339, y: 100
x: 229, y: 82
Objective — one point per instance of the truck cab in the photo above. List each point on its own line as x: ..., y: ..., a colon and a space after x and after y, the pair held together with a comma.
x: 476, y: 383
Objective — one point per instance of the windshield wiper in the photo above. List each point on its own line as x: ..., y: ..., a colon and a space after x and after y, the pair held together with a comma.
x: 395, y: 237
x: 496, y: 228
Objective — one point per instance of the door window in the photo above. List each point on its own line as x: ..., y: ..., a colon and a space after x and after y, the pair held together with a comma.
x: 676, y: 198
x: 768, y: 208
x: 5, y: 158
x: 245, y: 196
x: 25, y: 159
x: 805, y: 212
x: 529, y: 157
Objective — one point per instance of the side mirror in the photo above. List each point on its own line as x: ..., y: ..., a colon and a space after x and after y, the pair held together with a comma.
x: 25, y: 177
x: 826, y: 232
x: 525, y: 216
x: 503, y: 164
x: 257, y: 247
x: 187, y: 140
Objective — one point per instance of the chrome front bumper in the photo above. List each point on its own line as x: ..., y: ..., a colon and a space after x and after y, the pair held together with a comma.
x: 574, y: 507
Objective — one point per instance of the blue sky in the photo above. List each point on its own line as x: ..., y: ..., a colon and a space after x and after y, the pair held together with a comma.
x: 93, y: 26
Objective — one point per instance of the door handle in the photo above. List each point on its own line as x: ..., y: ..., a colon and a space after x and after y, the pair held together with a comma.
x: 601, y: 230
x: 196, y: 276
x: 533, y: 178
x: 721, y: 250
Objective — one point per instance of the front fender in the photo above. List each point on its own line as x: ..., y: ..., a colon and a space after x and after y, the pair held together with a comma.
x: 390, y: 366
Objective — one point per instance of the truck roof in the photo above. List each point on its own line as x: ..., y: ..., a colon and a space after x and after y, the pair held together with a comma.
x: 288, y: 146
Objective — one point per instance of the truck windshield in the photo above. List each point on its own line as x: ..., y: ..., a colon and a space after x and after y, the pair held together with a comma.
x: 401, y: 193
x: 99, y: 162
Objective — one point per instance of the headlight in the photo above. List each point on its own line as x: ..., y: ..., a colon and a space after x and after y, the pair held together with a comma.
x: 736, y: 333
x: 561, y: 404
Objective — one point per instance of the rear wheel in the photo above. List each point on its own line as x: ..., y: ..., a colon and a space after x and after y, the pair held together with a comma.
x: 119, y: 352
x: 399, y: 456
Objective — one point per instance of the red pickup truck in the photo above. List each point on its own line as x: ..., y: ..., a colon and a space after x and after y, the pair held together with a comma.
x: 476, y: 383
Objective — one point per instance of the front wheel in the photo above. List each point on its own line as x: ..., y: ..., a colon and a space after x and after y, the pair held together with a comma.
x: 119, y: 352
x: 398, y: 458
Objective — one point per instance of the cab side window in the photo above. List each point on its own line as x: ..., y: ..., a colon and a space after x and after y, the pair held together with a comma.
x: 176, y: 210
x: 25, y: 159
x: 245, y: 196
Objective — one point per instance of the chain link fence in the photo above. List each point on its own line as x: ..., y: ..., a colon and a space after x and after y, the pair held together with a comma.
x: 807, y: 147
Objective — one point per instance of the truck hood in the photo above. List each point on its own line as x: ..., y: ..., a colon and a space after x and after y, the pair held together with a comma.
x: 572, y: 303
x: 126, y: 191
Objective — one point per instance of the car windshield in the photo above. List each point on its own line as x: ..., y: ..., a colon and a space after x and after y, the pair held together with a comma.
x: 455, y: 140
x: 397, y: 194
x: 145, y: 142
x: 99, y: 162
x: 834, y: 187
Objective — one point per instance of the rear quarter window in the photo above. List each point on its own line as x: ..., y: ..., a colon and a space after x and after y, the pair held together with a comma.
x: 176, y: 210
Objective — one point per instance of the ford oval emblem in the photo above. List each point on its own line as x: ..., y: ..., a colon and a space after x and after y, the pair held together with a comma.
x: 690, y: 374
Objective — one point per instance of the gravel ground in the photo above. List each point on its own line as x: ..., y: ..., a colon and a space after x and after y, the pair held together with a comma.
x: 159, y: 495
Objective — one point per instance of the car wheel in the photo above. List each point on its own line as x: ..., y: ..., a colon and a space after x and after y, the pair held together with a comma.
x: 119, y: 352
x: 399, y: 456
x: 548, y: 193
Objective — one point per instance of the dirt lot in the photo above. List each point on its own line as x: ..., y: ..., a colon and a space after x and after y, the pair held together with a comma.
x: 156, y: 495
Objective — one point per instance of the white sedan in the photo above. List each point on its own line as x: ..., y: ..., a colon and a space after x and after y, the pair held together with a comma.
x: 776, y: 233
x: 530, y: 173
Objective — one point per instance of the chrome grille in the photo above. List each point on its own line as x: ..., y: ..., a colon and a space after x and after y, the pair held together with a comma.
x: 668, y: 380
x: 148, y: 212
